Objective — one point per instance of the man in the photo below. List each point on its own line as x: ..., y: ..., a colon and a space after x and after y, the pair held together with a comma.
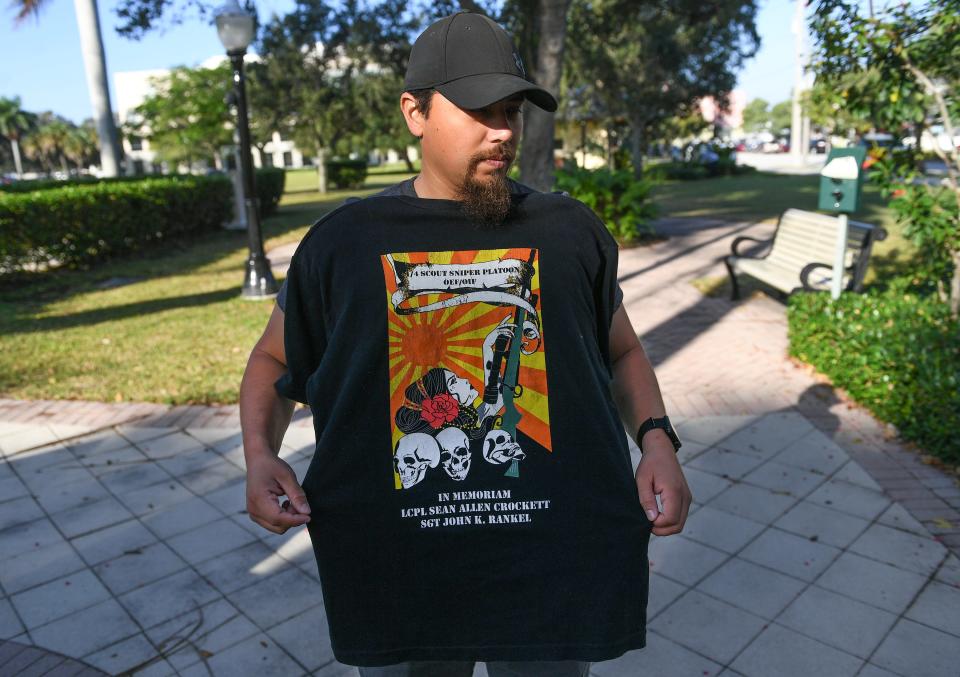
x: 462, y: 345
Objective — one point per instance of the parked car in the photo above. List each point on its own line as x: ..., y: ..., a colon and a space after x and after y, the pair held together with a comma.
x: 880, y: 140
x: 776, y: 146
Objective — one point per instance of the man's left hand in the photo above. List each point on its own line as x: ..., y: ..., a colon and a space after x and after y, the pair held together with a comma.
x: 659, y: 472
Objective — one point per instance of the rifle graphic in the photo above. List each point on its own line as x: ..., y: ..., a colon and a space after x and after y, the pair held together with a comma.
x: 510, y: 347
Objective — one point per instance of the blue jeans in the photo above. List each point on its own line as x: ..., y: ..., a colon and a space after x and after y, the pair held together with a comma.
x: 494, y: 669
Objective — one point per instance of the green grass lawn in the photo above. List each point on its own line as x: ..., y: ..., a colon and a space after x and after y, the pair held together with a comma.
x: 305, y: 180
x: 177, y: 333
x: 176, y: 330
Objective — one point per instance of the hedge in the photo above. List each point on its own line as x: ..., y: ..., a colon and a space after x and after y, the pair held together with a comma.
x: 30, y: 185
x: 84, y: 223
x: 894, y: 351
x: 346, y: 174
x: 270, y: 183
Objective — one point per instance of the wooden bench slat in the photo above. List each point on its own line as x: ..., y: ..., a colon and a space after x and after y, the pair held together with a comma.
x: 796, y: 253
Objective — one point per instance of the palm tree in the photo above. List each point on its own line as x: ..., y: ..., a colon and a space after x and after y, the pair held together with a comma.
x: 94, y: 61
x: 81, y: 144
x: 49, y: 141
x: 14, y: 122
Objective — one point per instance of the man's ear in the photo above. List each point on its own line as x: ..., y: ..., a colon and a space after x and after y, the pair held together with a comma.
x: 411, y: 113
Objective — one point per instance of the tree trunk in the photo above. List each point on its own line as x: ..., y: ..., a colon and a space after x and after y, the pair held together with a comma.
x: 955, y: 287
x: 636, y: 147
x: 322, y: 170
x: 611, y: 162
x: 94, y: 62
x: 17, y: 163
x: 408, y: 161
x: 916, y: 153
x: 536, y: 160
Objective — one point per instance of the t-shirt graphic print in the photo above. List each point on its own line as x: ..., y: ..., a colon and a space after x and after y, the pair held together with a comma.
x: 468, y: 381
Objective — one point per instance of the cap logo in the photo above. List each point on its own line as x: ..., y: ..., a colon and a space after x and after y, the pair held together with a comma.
x: 519, y: 62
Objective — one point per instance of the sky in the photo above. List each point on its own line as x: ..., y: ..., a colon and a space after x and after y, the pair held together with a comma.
x: 40, y: 60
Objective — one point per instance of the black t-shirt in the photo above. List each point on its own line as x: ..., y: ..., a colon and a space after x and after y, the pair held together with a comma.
x: 471, y: 490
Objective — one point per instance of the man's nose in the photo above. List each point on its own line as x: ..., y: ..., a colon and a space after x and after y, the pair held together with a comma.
x: 500, y: 128
x: 501, y: 135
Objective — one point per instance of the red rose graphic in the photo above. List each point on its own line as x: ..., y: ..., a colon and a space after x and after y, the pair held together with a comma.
x: 439, y: 410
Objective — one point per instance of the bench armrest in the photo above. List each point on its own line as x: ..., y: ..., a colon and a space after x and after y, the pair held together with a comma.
x: 744, y: 238
x: 810, y: 267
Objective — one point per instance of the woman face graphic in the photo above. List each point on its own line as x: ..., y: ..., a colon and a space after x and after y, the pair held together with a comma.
x: 460, y: 388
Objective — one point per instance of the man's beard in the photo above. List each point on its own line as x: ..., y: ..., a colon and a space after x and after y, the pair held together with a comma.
x: 487, y: 201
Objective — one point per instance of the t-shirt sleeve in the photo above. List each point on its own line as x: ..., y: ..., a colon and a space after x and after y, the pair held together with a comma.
x: 282, y: 297
x: 304, y: 333
x: 608, y: 296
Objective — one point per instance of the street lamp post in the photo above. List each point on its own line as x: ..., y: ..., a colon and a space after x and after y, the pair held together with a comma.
x: 235, y: 28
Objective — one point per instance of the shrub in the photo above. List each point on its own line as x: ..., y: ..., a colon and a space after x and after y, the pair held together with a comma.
x: 896, y: 352
x: 43, y: 184
x: 80, y: 224
x: 621, y: 202
x: 346, y: 174
x: 270, y: 183
x: 31, y: 185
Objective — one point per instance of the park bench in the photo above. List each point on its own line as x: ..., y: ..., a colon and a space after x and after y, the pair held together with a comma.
x: 801, y: 252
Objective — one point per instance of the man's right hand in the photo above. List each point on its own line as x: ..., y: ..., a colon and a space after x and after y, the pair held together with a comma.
x: 268, y: 478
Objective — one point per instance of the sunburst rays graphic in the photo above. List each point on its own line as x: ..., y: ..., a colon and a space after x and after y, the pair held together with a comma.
x: 452, y: 338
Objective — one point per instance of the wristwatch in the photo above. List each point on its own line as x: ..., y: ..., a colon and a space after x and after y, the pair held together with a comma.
x: 663, y: 424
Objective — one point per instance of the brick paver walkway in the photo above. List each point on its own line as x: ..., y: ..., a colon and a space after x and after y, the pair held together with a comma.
x: 23, y: 660
x: 713, y: 356
x: 816, y: 544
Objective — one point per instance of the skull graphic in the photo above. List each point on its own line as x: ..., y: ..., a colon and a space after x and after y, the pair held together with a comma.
x: 415, y: 452
x: 456, y: 452
x: 499, y: 447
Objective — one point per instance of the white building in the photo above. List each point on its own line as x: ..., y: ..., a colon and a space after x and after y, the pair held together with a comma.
x: 133, y: 87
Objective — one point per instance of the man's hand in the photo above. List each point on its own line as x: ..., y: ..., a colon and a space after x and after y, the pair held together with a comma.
x: 269, y: 477
x: 659, y: 472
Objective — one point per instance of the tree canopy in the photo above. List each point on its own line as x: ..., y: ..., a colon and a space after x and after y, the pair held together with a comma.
x: 328, y: 73
x: 331, y: 72
x: 186, y: 117
x: 900, y: 70
x: 645, y: 62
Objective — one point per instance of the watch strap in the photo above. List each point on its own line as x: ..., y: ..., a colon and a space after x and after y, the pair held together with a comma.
x: 663, y: 424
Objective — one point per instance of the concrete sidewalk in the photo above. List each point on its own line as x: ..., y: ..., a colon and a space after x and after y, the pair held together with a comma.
x: 123, y: 541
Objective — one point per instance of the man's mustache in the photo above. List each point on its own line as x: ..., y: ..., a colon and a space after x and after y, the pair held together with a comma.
x: 505, y: 156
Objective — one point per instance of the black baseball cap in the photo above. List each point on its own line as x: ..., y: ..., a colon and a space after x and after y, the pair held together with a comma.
x: 471, y: 60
